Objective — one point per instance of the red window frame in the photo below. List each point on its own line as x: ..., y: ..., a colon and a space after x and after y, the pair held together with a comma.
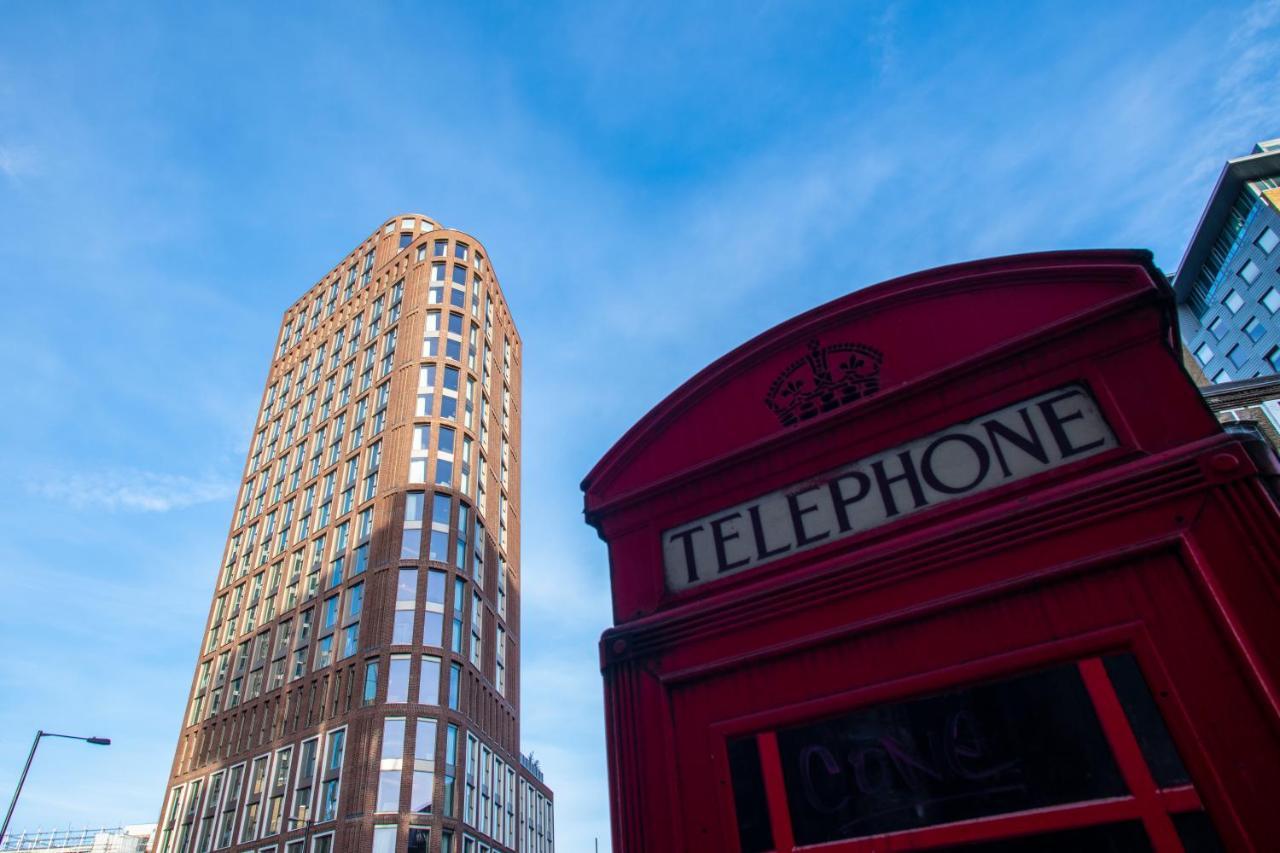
x: 1146, y: 802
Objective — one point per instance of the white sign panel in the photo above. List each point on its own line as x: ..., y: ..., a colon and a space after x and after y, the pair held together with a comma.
x: 1002, y: 447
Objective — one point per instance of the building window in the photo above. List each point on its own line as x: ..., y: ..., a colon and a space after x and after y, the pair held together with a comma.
x: 1220, y: 377
x: 406, y: 596
x: 418, y: 839
x: 384, y: 837
x: 1250, y: 271
x: 405, y: 239
x: 398, y: 679
x: 1271, y: 300
x: 1203, y: 354
x: 1254, y: 329
x: 1267, y: 241
x: 1233, y: 301
x: 392, y: 760
x: 441, y: 248
x: 411, y: 543
x: 1273, y: 359
x: 433, y: 618
x: 455, y: 676
x: 438, y: 549
x: 1238, y: 355
x: 424, y: 767
x: 430, y: 681
x: 1218, y: 328
x: 370, y: 682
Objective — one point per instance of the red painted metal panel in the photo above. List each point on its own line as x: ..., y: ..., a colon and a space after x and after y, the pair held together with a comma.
x: 1164, y: 546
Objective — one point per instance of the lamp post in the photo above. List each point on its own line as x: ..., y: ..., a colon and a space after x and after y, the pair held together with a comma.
x: 305, y: 821
x: 96, y: 741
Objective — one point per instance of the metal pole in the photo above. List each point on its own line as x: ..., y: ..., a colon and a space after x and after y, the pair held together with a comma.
x: 13, y: 804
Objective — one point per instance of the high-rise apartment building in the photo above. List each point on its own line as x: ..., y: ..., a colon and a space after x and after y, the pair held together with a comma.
x: 1228, y: 285
x: 357, y: 686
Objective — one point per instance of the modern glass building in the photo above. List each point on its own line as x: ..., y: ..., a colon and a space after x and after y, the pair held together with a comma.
x: 1228, y: 285
x: 357, y: 686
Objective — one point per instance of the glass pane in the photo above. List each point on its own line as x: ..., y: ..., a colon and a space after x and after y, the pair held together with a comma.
x: 755, y: 833
x: 1197, y: 833
x: 417, y: 841
x: 1023, y: 743
x: 1127, y: 837
x: 1145, y: 720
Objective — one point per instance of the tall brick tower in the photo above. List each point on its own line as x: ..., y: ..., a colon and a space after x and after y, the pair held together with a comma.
x: 357, y: 686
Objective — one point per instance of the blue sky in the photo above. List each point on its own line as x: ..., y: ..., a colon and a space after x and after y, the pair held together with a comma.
x: 655, y: 183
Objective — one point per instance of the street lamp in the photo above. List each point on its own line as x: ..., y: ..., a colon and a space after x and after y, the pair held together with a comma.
x: 294, y: 822
x: 96, y: 741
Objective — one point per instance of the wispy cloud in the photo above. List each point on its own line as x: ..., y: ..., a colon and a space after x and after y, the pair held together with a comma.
x: 132, y: 490
x: 16, y: 162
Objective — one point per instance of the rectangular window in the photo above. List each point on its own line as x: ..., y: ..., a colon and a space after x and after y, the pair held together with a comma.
x: 370, y: 683
x: 1204, y: 354
x: 424, y: 766
x: 411, y: 542
x: 406, y: 596
x: 430, y: 681
x: 391, y: 765
x: 459, y: 602
x: 1250, y: 271
x: 1254, y: 330
x: 1218, y: 328
x: 433, y: 618
x: 419, y: 840
x: 1271, y: 301
x: 455, y: 676
x: 440, y: 511
x: 384, y: 835
x: 1267, y: 240
x: 460, y: 541
x: 398, y: 679
x: 1234, y: 301
x: 1238, y: 356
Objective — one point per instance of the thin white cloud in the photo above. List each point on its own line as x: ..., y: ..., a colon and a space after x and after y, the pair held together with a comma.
x: 132, y: 490
x: 17, y: 163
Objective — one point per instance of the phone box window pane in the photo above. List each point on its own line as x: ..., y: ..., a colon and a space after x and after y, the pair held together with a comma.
x: 1027, y: 742
x: 755, y: 833
x: 1144, y: 718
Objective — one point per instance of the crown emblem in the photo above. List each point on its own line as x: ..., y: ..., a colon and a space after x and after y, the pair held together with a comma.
x: 824, y: 379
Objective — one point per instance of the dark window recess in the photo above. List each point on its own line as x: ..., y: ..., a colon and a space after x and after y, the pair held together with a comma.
x: 1022, y: 743
x: 417, y: 841
x: 1145, y: 720
x: 1127, y: 837
x: 1196, y: 832
x: 755, y: 832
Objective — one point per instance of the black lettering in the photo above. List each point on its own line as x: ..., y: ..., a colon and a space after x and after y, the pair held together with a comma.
x: 1056, y: 422
x: 884, y: 483
x: 720, y: 538
x: 797, y: 519
x: 979, y: 451
x: 1030, y: 444
x: 690, y: 561
x: 841, y: 502
x: 757, y: 527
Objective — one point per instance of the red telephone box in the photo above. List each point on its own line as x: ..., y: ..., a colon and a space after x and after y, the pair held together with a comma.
x: 961, y: 560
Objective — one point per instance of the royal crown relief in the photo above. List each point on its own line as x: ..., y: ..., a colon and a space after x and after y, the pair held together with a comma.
x: 825, y: 378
